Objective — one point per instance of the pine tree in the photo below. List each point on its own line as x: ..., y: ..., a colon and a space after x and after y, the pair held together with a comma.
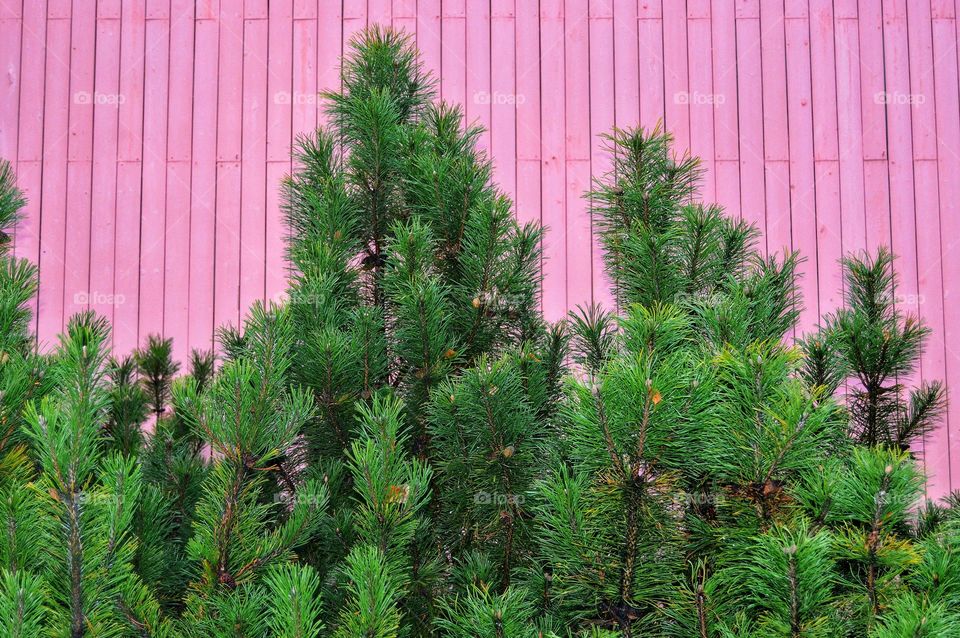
x: 242, y: 526
x: 711, y: 487
x: 877, y: 345
x: 407, y: 262
x: 88, y: 499
x: 24, y: 594
x: 408, y: 270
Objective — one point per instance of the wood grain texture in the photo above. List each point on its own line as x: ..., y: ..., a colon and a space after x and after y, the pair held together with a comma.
x: 151, y: 138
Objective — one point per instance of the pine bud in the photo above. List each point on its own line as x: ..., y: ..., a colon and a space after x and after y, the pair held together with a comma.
x: 4, y: 357
x: 452, y: 399
x: 507, y: 452
x: 790, y: 551
x: 476, y: 302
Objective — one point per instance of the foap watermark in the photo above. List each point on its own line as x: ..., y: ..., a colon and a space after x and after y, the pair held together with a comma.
x: 99, y: 99
x: 696, y: 500
x: 899, y: 98
x: 697, y: 98
x: 93, y: 297
x: 296, y: 98
x: 496, y: 300
x: 498, y: 98
x: 498, y: 498
x: 909, y: 301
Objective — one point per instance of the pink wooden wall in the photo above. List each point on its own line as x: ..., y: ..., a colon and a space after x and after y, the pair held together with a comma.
x: 152, y: 134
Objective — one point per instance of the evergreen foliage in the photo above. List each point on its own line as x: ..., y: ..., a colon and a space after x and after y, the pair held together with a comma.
x: 876, y: 345
x: 401, y: 449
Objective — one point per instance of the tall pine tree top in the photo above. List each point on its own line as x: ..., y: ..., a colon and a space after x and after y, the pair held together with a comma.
x: 407, y: 263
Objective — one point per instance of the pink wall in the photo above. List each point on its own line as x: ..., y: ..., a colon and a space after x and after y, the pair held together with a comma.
x: 153, y: 133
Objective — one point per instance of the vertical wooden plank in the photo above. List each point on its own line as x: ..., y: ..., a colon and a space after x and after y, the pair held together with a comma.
x: 601, y: 121
x: 153, y: 224
x: 503, y: 115
x: 380, y: 12
x: 176, y: 289
x: 10, y: 29
x: 354, y: 19
x: 873, y: 99
x: 937, y: 448
x: 329, y: 48
x: 923, y: 136
x: 702, y: 99
x: 226, y: 269
x: 280, y: 81
x: 30, y: 133
x: 900, y: 152
x: 480, y: 96
x: 11, y: 10
x: 876, y: 203
x: 553, y: 174
x: 749, y: 113
x: 850, y: 135
x: 528, y: 113
x: 675, y: 75
x: 207, y: 9
x: 826, y: 150
x: 829, y: 249
x: 253, y: 196
x: 59, y: 9
x: 203, y: 183
x: 260, y: 9
x: 126, y: 286
x: 803, y: 209
x: 53, y: 200
x: 577, y: 153
x: 453, y: 80
x: 280, y: 130
x: 776, y: 175
x: 302, y: 10
x: 180, y: 93
x: 776, y: 143
x: 874, y: 95
x: 626, y: 64
x: 104, y: 191
x: 230, y: 91
x: 158, y: 10
x: 429, y: 29
x: 276, y: 274
x: 948, y: 167
x: 304, y: 116
x: 76, y: 258
x: 725, y: 118
x: 650, y: 51
x: 726, y: 123
x: 924, y: 125
x: 405, y: 16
